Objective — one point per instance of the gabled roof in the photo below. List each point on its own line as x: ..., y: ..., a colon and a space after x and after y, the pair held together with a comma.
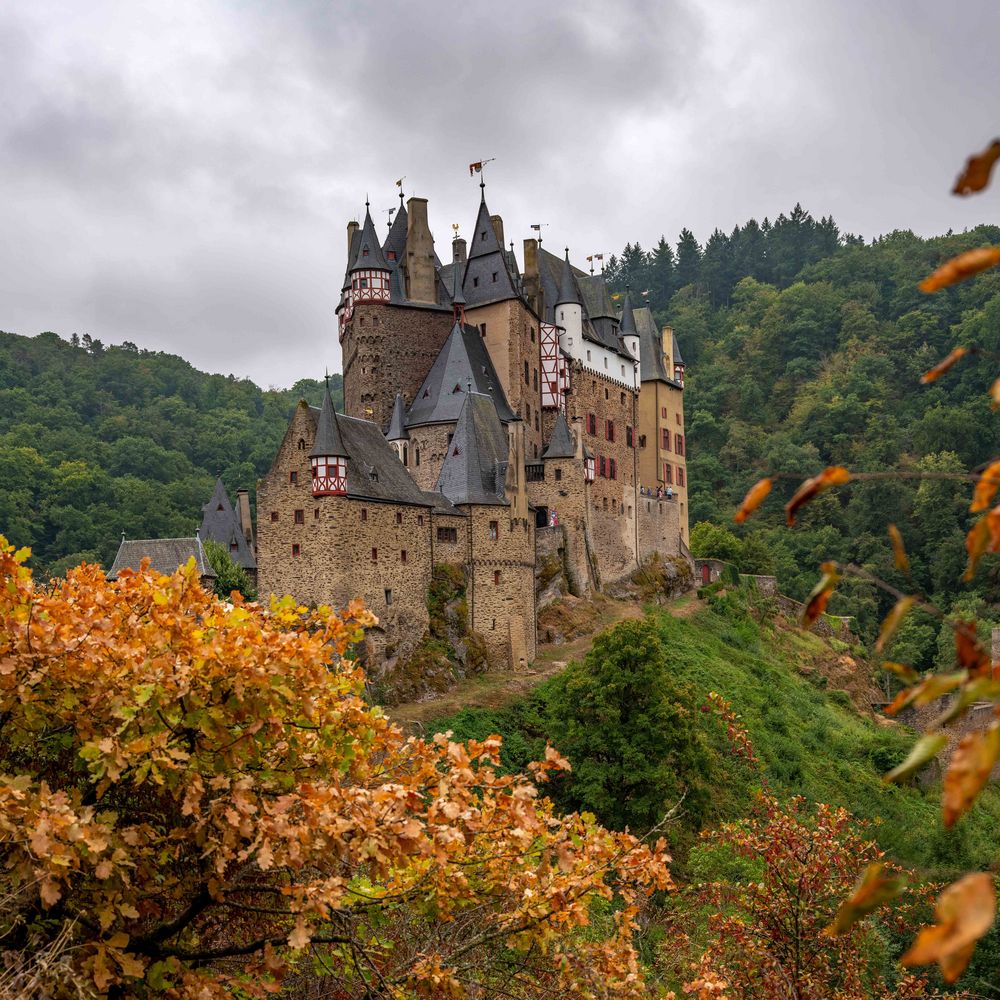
x: 328, y: 437
x: 374, y: 260
x: 165, y: 555
x: 374, y: 472
x: 561, y: 442
x: 397, y: 424
x: 568, y: 291
x: 220, y: 523
x: 462, y: 360
x: 475, y: 468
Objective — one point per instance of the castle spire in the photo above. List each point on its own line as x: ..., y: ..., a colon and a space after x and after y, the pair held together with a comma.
x: 567, y: 285
x: 328, y: 456
x: 369, y: 256
x: 626, y: 326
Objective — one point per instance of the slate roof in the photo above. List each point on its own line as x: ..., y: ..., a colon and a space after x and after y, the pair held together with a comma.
x: 561, y: 442
x: 165, y: 555
x: 370, y: 242
x: 369, y: 453
x: 676, y: 350
x: 442, y: 505
x: 462, y: 359
x: 568, y: 291
x: 487, y: 259
x: 328, y: 437
x: 475, y: 468
x: 652, y: 365
x: 626, y: 325
x: 396, y: 240
x: 397, y: 422
x: 220, y: 523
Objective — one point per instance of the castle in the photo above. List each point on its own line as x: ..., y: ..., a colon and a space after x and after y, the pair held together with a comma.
x: 491, y: 411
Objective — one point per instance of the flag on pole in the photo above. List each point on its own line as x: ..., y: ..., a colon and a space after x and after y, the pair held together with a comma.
x: 537, y: 226
x: 399, y: 183
x: 475, y: 168
x: 598, y: 256
x: 590, y: 259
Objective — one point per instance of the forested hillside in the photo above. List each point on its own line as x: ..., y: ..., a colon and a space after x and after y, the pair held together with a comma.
x: 803, y: 349
x: 95, y: 441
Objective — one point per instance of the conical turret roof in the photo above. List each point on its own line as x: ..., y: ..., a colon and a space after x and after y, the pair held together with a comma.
x: 676, y: 349
x: 328, y: 438
x: 567, y: 285
x: 561, y: 442
x: 626, y: 326
x: 370, y: 256
x: 395, y: 242
x: 397, y: 424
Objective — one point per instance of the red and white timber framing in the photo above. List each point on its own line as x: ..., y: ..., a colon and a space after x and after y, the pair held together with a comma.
x: 555, y: 375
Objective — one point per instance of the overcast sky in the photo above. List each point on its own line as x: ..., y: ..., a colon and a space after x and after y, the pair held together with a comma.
x: 180, y: 174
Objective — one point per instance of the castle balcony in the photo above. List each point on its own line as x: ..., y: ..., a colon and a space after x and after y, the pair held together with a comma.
x: 534, y: 472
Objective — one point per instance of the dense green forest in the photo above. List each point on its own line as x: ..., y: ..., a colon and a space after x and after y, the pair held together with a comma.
x: 96, y: 441
x: 804, y: 348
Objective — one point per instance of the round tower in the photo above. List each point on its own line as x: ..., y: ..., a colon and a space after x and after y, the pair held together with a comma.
x: 397, y: 435
x: 568, y: 307
x: 369, y: 272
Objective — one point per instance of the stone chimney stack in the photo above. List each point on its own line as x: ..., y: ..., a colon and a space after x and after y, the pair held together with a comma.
x: 530, y: 278
x: 459, y: 250
x: 419, y: 253
x: 243, y: 510
x: 498, y: 229
x: 352, y: 228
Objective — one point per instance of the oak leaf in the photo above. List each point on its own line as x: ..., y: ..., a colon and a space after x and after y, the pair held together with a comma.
x: 944, y: 365
x: 754, y: 498
x: 820, y: 596
x: 976, y: 173
x: 961, y: 268
x: 875, y: 887
x: 965, y: 912
x: 833, y: 475
x: 969, y: 770
x: 986, y: 487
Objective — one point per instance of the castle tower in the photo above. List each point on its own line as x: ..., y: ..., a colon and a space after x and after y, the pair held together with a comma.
x: 627, y: 329
x: 328, y: 457
x: 369, y: 272
x: 568, y: 307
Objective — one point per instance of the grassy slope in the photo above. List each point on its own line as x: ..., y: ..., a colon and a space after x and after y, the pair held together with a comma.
x: 812, y: 742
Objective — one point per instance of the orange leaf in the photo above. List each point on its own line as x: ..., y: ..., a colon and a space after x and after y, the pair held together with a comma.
x: 968, y: 651
x: 976, y: 542
x: 965, y: 912
x: 901, y: 670
x: 893, y: 621
x: 874, y: 888
x: 753, y: 499
x: 942, y: 366
x: 960, y: 268
x: 995, y: 395
x: 993, y: 525
x: 968, y: 771
x: 986, y: 487
x: 976, y: 174
x: 833, y: 475
x: 820, y: 596
x: 898, y: 549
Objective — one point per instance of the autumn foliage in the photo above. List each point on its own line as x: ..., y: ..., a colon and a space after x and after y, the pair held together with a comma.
x: 195, y: 798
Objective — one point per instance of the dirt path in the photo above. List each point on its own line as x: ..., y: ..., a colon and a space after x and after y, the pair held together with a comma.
x: 497, y: 688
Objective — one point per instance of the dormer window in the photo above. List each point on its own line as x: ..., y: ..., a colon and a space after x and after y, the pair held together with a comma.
x: 373, y: 476
x: 364, y: 251
x: 391, y: 255
x: 482, y: 236
x: 494, y: 277
x: 475, y: 282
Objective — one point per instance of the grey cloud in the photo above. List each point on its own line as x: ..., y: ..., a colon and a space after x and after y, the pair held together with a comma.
x: 180, y: 174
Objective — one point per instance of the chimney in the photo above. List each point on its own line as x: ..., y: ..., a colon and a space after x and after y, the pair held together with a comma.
x: 498, y: 229
x: 667, y: 344
x: 459, y: 250
x: 243, y: 512
x: 530, y: 278
x: 419, y: 253
x: 352, y: 228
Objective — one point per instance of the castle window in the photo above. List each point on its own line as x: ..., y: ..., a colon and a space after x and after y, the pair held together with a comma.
x: 493, y: 624
x: 364, y: 284
x: 220, y: 507
x: 475, y: 282
x: 494, y: 530
x: 668, y: 473
x: 602, y: 467
x: 457, y: 388
x: 605, y: 391
x: 361, y: 322
x: 316, y: 513
x: 605, y: 365
x: 399, y: 517
x: 496, y: 577
x: 588, y: 355
x: 679, y: 444
x: 373, y: 476
x: 494, y: 276
x: 558, y: 475
x: 609, y: 430
x: 482, y: 329
x: 302, y: 447
x: 364, y: 513
x: 416, y: 456
x: 629, y: 437
x: 535, y: 379
x: 535, y: 447
x: 612, y: 469
x: 526, y: 373
x: 604, y: 503
x: 678, y: 416
x: 388, y: 598
x: 300, y: 517
x: 293, y: 477
x: 623, y: 394
x: 532, y: 334
x: 364, y: 251
x: 447, y: 534
x: 392, y: 255
x: 623, y: 375
x: 296, y: 551
x: 274, y: 515
x: 665, y: 434
x: 536, y: 426
x: 663, y: 412
x: 234, y: 547
x: 527, y: 412
x: 420, y: 520
x: 680, y: 475
x: 402, y: 555
x: 591, y: 423
x: 642, y: 440
x: 374, y: 555
x: 406, y: 460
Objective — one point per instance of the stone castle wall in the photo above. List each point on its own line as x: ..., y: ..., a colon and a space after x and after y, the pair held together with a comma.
x: 563, y: 492
x: 429, y: 446
x: 388, y: 349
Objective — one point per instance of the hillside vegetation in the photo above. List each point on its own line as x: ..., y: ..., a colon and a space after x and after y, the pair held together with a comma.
x: 97, y: 441
x: 804, y: 348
